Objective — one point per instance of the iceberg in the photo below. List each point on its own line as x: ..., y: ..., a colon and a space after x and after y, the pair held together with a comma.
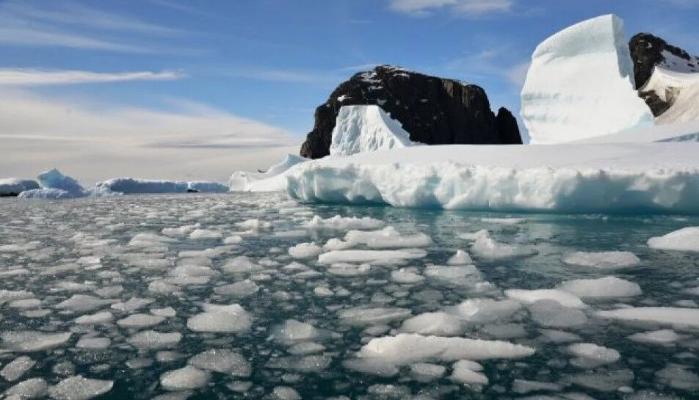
x: 360, y: 129
x: 677, y: 87
x: 55, y: 185
x: 270, y: 181
x: 580, y: 85
x: 135, y: 186
x: 15, y: 186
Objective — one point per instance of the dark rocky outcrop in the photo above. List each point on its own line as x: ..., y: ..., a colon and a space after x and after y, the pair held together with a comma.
x: 647, y: 51
x: 434, y: 110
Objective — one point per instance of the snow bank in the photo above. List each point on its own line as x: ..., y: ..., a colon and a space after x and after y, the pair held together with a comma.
x: 631, y: 177
x: 580, y: 85
x: 134, y: 186
x: 271, y: 180
x: 685, y: 239
x: 14, y: 186
x: 360, y: 129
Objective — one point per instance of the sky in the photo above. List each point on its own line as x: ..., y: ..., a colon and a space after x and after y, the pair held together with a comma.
x: 182, y: 89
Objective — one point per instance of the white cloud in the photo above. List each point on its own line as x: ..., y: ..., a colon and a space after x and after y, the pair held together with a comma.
x: 35, y: 77
x: 94, y: 141
x: 471, y: 8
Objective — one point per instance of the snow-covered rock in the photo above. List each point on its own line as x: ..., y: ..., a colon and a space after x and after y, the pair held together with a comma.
x: 134, y: 186
x: 581, y: 84
x: 15, y: 186
x: 271, y: 180
x: 360, y: 129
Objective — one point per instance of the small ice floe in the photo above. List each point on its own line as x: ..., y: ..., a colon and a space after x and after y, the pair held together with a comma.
x: 659, y: 315
x: 285, y: 393
x: 305, y: 250
x: 361, y: 316
x: 149, y: 240
x: 482, y: 310
x: 304, y: 364
x: 205, y: 234
x: 602, y: 288
x: 349, y: 270
x: 426, y: 372
x: 467, y: 276
x: 238, y: 289
x: 433, y: 323
x: 241, y: 265
x: 132, y: 304
x: 557, y: 336
x: 387, y: 238
x: 661, y: 337
x: 101, y: 317
x: 154, y: 339
x: 605, y: 260
x: 222, y: 360
x: 468, y: 373
x: 406, y: 349
x: 406, y: 276
x: 79, y: 388
x: 460, y: 258
x: 551, y: 314
x: 93, y: 343
x: 293, y: 331
x: 679, y: 377
x: 32, y: 388
x: 484, y: 246
x: 220, y: 318
x: 16, y: 368
x: 186, y: 378
x: 590, y: 355
x: 338, y: 223
x: 603, y: 381
x: 140, y: 321
x: 685, y: 239
x: 29, y: 341
x: 166, y: 312
x: 503, y: 221
x: 371, y: 256
x: 522, y: 386
x: 180, y: 231
x: 564, y: 298
x: 80, y: 303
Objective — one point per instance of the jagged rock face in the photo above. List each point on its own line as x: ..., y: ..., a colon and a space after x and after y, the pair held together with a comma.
x: 647, y: 52
x: 433, y: 110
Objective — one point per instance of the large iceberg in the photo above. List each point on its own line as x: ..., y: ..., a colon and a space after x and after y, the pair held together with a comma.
x: 361, y: 129
x: 580, y: 85
x: 15, y: 186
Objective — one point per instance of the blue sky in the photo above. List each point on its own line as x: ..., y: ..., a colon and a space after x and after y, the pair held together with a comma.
x: 258, y: 68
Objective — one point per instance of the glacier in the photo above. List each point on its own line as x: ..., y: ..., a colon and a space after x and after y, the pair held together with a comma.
x: 580, y: 85
x: 361, y: 129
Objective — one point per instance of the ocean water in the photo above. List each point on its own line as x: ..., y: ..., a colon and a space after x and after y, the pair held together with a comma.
x: 119, y: 291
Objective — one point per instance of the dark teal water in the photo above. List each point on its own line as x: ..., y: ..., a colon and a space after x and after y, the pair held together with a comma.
x: 44, y: 245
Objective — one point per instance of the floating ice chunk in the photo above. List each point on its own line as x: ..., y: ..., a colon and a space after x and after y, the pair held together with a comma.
x: 425, y: 372
x: 349, y: 270
x: 149, y: 240
x: 154, y: 339
x: 305, y: 250
x: 220, y: 318
x: 166, y: 312
x: 133, y: 304
x: 372, y: 316
x: 339, y: 223
x: 181, y: 231
x: 16, y: 368
x: 33, y: 388
x: 295, y: 331
x: 685, y: 239
x: 659, y: 315
x: 679, y: 377
x: 603, y: 381
x: 371, y: 256
x: 94, y: 343
x: 433, y: 323
x: 140, y: 321
x: 82, y: 303
x: 205, y: 234
x: 222, y: 360
x: 79, y: 388
x: 486, y: 247
x: 465, y: 373
x: 322, y: 291
x: 14, y: 186
x: 557, y: 336
x: 483, y: 310
x: 372, y: 366
x: 238, y: 289
x: 531, y: 296
x: 337, y: 244
x: 366, y: 128
x: 11, y: 295
x: 405, y: 349
x: 607, y: 260
x: 254, y: 225
x: 241, y: 265
x: 388, y: 238
x: 460, y: 258
x: 607, y: 287
x: 285, y: 393
x: 504, y: 221
x: 304, y: 348
x: 522, y: 386
x: 591, y: 355
x: 186, y: 378
x: 662, y: 336
x: 28, y: 341
x: 305, y: 364
x: 552, y: 314
x: 234, y: 239
x: 406, y: 276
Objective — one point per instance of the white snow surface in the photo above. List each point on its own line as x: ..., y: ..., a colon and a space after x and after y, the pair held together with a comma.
x: 366, y: 128
x: 685, y: 239
x: 677, y: 86
x: 660, y: 315
x: 580, y: 84
x: 134, y: 186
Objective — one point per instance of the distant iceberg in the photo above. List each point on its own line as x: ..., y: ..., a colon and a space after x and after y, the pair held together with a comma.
x: 142, y: 186
x: 55, y: 185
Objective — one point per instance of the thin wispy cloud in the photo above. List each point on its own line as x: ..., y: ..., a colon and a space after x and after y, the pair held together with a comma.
x: 469, y: 8
x: 39, y: 77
